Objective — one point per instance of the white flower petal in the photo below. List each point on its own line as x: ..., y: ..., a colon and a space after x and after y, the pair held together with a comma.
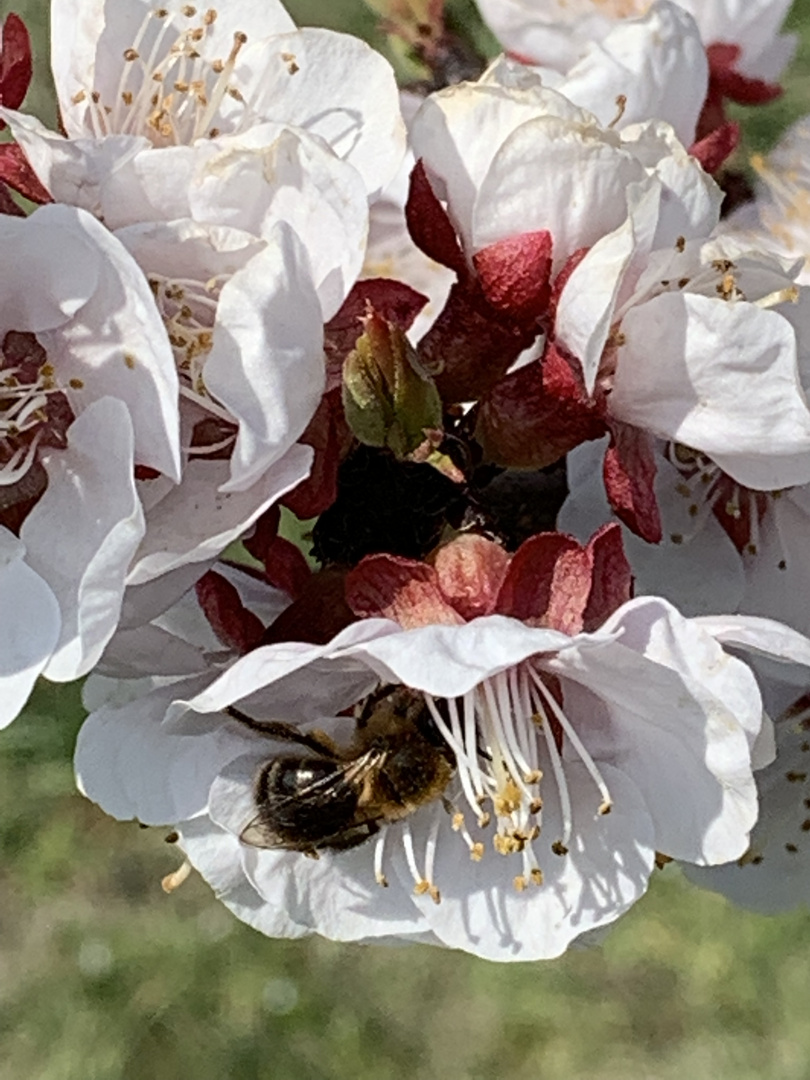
x: 266, y: 364
x: 129, y: 763
x: 29, y: 629
x: 605, y: 871
x: 83, y: 532
x: 197, y: 520
x: 341, y: 90
x: 131, y: 358
x: 719, y: 377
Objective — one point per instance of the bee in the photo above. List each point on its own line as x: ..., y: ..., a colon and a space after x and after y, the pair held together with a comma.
x: 333, y: 798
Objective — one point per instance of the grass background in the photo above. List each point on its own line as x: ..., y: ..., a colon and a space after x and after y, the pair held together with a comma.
x: 104, y: 977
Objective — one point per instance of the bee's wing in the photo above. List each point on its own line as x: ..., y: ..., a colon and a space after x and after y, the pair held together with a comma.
x: 329, y: 806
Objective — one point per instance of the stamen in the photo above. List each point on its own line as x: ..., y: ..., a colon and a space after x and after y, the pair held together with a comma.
x: 466, y: 767
x: 20, y: 462
x: 422, y: 885
x: 379, y: 850
x: 576, y: 742
x: 540, y: 719
x: 430, y: 854
x: 174, y: 880
x: 789, y: 295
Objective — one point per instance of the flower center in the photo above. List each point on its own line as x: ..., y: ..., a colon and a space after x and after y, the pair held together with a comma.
x: 505, y: 735
x: 788, y: 186
x: 708, y: 491
x: 188, y: 309
x: 167, y: 90
x: 34, y: 412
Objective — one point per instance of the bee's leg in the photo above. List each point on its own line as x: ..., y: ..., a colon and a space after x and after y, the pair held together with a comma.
x: 317, y: 741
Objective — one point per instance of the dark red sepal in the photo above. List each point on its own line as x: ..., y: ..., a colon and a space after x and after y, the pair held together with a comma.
x: 235, y: 626
x: 18, y: 174
x: 405, y: 590
x: 469, y: 348
x: 317, y: 615
x: 515, y: 274
x: 629, y: 473
x: 429, y: 225
x: 556, y: 582
x: 545, y: 574
x: 611, y: 576
x: 538, y: 413
x: 329, y: 436
x: 15, y: 63
x: 285, y: 567
x: 713, y: 149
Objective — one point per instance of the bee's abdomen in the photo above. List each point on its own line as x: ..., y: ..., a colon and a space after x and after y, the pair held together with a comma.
x: 305, y: 799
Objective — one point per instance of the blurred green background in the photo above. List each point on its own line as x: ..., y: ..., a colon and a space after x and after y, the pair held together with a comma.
x: 104, y: 977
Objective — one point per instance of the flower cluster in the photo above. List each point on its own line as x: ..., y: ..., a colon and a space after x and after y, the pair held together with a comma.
x: 518, y: 367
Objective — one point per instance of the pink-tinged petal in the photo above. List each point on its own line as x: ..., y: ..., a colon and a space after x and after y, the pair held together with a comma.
x: 133, y: 766
x: 196, y: 519
x: 336, y: 87
x: 132, y: 359
x: 390, y: 587
x: 81, y: 535
x: 266, y: 365
x: 429, y: 225
x: 605, y: 871
x: 521, y: 190
x: 514, y: 275
x: 726, y: 382
x: 29, y: 629
x: 471, y: 571
x: 629, y: 472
